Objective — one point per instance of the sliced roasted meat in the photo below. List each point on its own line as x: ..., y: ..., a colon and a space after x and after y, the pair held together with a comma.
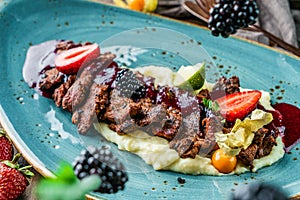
x: 225, y: 86
x: 154, y: 119
x: 211, y: 125
x: 117, y: 114
x: 188, y: 140
x: 80, y: 89
x: 263, y: 142
x: 51, y: 79
x: 140, y: 112
x: 268, y: 142
x: 87, y: 114
x: 170, y: 124
x: 61, y: 91
x: 248, y: 155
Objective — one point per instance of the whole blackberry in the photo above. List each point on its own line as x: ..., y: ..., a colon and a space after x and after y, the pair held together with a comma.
x: 227, y: 16
x: 129, y: 86
x: 101, y: 161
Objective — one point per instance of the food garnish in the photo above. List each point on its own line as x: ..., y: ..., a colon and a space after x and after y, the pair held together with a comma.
x: 223, y: 162
x: 128, y: 85
x: 70, y: 61
x: 190, y: 78
x: 6, y: 147
x: 238, y: 105
x: 65, y: 185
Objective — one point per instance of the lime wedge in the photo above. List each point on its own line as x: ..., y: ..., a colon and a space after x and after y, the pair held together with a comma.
x: 150, y: 5
x: 190, y: 77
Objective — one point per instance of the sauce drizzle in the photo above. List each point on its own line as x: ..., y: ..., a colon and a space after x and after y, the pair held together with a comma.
x: 291, y: 121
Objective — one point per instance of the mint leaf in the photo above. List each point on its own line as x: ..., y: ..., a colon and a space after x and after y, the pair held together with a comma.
x: 66, y: 186
x: 211, y: 105
x: 65, y: 172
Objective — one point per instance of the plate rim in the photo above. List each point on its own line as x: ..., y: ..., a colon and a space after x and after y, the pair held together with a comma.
x: 35, y: 161
x: 255, y: 43
x: 5, y: 3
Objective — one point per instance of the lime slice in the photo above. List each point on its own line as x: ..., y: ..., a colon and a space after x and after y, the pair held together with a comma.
x: 150, y: 5
x: 190, y: 77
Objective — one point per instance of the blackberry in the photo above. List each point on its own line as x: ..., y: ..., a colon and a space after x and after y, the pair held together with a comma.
x: 227, y: 16
x: 101, y: 161
x: 129, y: 85
x: 259, y: 191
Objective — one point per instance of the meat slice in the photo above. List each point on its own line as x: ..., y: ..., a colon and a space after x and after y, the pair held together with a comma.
x: 87, y: 114
x: 188, y: 140
x: 51, y: 79
x: 117, y: 114
x: 154, y: 119
x: 80, y: 89
x: 248, y: 155
x: 267, y: 144
x: 263, y: 142
x: 139, y: 111
x: 211, y: 125
x: 225, y: 86
x: 196, y: 136
x: 230, y: 85
x: 61, y: 91
x: 169, y: 124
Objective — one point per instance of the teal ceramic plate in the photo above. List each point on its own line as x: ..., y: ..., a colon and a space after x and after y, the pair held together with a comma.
x: 45, y: 134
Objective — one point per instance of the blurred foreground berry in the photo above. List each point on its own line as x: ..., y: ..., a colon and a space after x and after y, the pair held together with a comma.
x: 259, y: 191
x: 102, y: 162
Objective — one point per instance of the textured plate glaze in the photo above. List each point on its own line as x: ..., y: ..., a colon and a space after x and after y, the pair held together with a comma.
x: 45, y: 134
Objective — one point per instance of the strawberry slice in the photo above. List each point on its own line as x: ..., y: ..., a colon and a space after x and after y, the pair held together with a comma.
x: 238, y: 105
x: 69, y: 61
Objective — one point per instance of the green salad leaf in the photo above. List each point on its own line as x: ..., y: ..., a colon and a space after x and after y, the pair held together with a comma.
x: 242, y: 133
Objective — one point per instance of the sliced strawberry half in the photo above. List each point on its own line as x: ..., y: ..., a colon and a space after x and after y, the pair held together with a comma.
x: 238, y: 105
x: 69, y: 61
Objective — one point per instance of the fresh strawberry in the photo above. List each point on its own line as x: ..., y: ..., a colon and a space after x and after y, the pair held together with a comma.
x: 13, y: 179
x: 238, y: 105
x: 6, y: 147
x: 70, y: 61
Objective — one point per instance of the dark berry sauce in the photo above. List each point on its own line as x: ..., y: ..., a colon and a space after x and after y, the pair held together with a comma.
x: 107, y: 75
x: 291, y: 122
x: 39, y: 59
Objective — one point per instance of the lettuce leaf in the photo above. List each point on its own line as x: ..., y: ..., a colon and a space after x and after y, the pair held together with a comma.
x: 242, y: 133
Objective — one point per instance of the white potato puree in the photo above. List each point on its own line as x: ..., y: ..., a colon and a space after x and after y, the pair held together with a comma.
x: 155, y: 151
